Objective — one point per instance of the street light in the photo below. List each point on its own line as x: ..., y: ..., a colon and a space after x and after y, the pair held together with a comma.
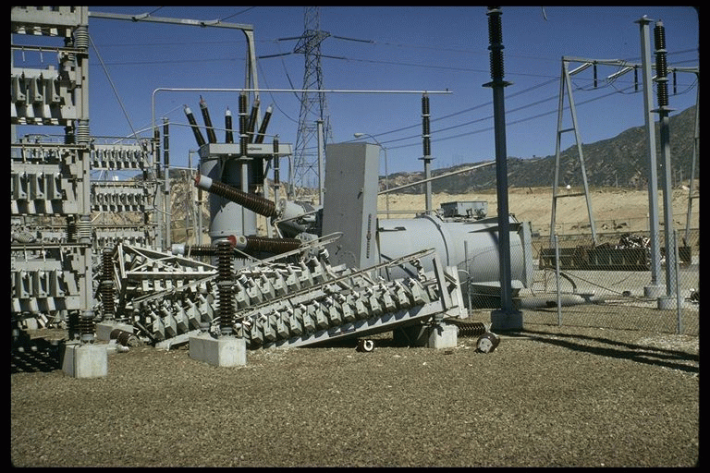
x: 387, y: 195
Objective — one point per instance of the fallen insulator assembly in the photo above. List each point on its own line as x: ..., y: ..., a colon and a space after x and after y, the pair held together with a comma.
x: 124, y: 337
x: 252, y: 202
x: 488, y: 342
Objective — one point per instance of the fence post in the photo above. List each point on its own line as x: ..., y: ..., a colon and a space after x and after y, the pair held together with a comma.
x: 557, y: 279
x: 679, y: 324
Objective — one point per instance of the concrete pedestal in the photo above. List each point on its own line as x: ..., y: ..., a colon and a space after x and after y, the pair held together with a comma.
x: 654, y: 292
x: 85, y: 360
x: 223, y: 351
x: 441, y: 336
x: 506, y: 320
x: 667, y: 302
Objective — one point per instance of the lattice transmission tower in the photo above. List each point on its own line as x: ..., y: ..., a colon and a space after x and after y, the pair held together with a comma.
x: 314, y: 108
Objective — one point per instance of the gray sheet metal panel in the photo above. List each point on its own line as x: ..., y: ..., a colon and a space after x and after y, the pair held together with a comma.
x: 398, y: 237
x: 350, y: 207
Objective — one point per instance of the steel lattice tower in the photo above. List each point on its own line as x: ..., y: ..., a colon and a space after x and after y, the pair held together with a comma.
x: 304, y: 172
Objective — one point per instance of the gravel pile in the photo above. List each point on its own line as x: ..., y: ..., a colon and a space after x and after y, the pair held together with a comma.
x: 546, y: 396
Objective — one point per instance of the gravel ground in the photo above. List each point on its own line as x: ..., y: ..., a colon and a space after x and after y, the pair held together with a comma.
x: 547, y: 396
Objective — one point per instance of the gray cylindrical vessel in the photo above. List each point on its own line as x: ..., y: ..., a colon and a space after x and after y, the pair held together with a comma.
x: 454, y: 241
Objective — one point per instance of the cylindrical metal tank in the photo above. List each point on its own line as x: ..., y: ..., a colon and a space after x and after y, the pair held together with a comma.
x: 470, y: 245
x: 227, y: 217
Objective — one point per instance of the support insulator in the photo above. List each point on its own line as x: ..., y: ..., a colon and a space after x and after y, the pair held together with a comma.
x: 195, y: 129
x: 262, y: 129
x: 277, y: 172
x: 470, y: 329
x: 107, y: 285
x: 86, y: 326
x: 271, y: 245
x: 659, y: 35
x: 495, y: 37
x: 425, y: 126
x: 208, y: 121
x: 124, y: 338
x: 224, y: 286
x: 243, y: 138
x: 229, y: 135
x: 251, y: 122
x: 487, y: 342
x: 237, y: 241
x: 252, y: 202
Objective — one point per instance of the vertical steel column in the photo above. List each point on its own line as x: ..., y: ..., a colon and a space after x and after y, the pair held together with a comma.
x: 167, y: 207
x: 427, y: 153
x: 321, y: 163
x: 663, y: 110
x: 498, y: 85
x: 82, y: 137
x: 653, y: 290
x: 696, y: 141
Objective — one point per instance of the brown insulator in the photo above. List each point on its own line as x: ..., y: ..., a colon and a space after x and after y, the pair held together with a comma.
x: 251, y: 122
x: 124, y: 338
x: 425, y: 126
x: 196, y: 250
x: 208, y: 121
x: 243, y: 137
x: 470, y: 329
x: 252, y: 202
x: 271, y: 245
x: 659, y: 35
x: 229, y: 135
x: 225, y: 250
x: 262, y: 129
x: 106, y: 284
x: 277, y: 176
x: 195, y: 129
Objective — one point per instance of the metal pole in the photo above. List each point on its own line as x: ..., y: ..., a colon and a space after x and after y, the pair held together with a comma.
x: 426, y: 153
x: 166, y: 188
x: 321, y: 167
x: 663, y: 110
x: 557, y: 279
x: 507, y: 317
x: 653, y: 289
x: 468, y: 276
x: 691, y: 186
x: 679, y: 312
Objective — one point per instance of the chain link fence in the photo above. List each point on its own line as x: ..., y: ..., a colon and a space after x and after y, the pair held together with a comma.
x: 616, y: 282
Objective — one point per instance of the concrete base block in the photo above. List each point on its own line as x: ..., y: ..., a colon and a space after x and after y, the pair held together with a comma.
x: 506, y: 320
x: 653, y: 292
x: 104, y: 329
x: 442, y: 336
x: 223, y: 351
x: 667, y: 303
x: 81, y: 360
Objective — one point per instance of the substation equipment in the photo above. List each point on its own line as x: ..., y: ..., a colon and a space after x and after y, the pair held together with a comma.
x: 324, y: 272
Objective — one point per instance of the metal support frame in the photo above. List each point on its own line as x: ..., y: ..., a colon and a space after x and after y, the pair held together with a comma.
x: 565, y: 82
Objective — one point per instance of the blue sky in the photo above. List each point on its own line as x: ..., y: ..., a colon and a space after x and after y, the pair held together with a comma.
x: 386, y: 49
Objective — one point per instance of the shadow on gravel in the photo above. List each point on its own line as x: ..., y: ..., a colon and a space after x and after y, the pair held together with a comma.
x: 38, y: 356
x: 672, y: 359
